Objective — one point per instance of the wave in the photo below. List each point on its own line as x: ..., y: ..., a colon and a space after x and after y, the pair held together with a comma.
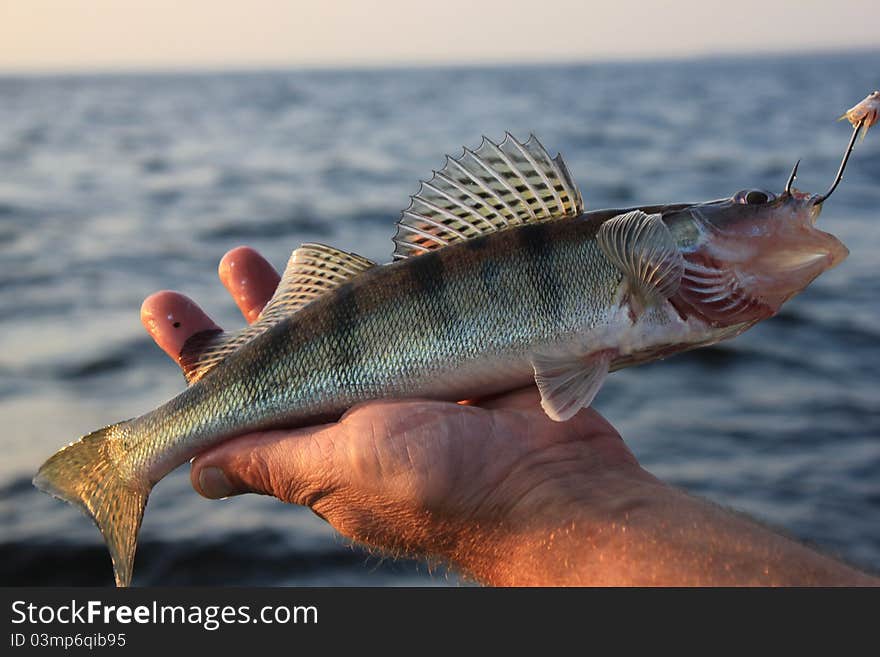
x: 250, y: 228
x: 141, y: 184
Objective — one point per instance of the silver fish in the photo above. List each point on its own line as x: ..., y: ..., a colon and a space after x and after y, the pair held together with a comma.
x: 500, y: 278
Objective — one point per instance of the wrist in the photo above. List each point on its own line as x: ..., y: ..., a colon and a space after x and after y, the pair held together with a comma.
x: 556, y: 510
x: 625, y: 527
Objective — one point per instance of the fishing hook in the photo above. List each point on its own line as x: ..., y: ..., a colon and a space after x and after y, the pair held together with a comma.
x: 791, y: 179
x: 852, y: 140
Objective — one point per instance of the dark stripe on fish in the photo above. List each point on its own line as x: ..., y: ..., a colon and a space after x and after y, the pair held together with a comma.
x: 344, y: 318
x: 427, y: 275
x: 537, y: 248
x: 490, y: 273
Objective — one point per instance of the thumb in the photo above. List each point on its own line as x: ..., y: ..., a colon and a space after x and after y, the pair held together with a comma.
x: 294, y: 466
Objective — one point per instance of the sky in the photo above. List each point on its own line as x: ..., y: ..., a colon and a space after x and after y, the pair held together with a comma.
x: 97, y: 35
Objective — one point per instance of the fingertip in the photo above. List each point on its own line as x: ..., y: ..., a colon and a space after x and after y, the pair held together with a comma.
x: 249, y: 278
x: 220, y: 471
x: 208, y: 478
x: 171, y: 318
x: 212, y: 482
x: 235, y: 258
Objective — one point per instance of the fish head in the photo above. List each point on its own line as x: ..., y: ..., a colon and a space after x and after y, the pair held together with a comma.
x: 748, y: 254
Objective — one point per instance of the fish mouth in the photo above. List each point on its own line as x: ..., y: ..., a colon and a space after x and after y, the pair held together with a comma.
x: 793, y: 260
x: 785, y: 271
x: 811, y: 246
x: 794, y: 256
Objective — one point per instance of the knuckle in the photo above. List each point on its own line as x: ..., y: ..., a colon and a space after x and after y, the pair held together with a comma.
x: 302, y: 474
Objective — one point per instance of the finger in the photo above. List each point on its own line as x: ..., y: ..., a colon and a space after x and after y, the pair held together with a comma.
x: 250, y: 279
x: 290, y: 465
x: 172, y: 318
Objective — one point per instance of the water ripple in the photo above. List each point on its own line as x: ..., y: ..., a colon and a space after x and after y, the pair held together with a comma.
x: 142, y: 183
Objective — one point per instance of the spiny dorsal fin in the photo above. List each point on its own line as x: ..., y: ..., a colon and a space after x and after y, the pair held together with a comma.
x: 313, y: 270
x: 642, y: 248
x: 483, y: 191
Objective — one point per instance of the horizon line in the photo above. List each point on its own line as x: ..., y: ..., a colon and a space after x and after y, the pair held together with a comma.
x: 351, y: 66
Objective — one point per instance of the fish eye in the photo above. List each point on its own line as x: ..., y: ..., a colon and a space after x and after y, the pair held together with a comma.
x: 756, y: 197
x: 753, y: 197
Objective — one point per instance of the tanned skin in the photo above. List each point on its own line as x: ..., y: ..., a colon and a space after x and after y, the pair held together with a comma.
x: 492, y: 487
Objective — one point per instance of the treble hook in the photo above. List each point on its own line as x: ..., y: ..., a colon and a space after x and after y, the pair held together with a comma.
x: 852, y: 140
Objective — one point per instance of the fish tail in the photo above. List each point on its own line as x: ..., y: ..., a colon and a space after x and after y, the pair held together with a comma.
x: 87, y: 473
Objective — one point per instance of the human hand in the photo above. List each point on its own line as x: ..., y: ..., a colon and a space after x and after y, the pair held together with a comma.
x: 454, y: 481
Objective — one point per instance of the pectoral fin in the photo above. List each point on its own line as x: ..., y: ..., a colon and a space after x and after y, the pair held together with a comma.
x: 568, y: 385
x: 642, y: 248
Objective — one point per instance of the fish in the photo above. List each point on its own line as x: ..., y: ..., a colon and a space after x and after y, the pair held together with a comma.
x: 499, y: 279
x: 866, y: 112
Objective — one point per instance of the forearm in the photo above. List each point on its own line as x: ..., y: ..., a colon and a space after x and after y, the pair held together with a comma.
x: 636, y: 530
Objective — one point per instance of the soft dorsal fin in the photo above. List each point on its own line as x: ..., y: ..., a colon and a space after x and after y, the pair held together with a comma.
x: 644, y: 250
x: 313, y: 270
x: 492, y: 188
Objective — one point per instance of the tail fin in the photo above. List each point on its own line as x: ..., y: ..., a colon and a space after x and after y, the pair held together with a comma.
x: 85, y: 473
